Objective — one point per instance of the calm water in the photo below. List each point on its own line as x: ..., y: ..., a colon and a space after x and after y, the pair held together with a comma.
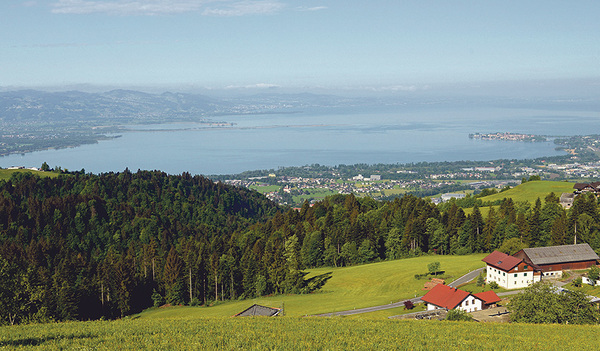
x: 272, y: 141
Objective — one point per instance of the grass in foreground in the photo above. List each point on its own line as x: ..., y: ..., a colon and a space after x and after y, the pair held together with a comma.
x: 289, y: 333
x: 349, y: 288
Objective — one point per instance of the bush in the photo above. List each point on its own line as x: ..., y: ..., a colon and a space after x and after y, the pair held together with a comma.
x: 458, y: 315
x: 494, y: 285
x: 408, y: 305
x: 542, y: 302
x: 577, y: 282
x: 594, y: 273
x: 157, y: 299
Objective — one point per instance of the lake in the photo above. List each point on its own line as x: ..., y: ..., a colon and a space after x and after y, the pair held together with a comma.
x: 392, y: 135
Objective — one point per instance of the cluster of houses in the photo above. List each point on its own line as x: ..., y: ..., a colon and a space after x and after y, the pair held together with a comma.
x: 566, y: 199
x: 516, y: 271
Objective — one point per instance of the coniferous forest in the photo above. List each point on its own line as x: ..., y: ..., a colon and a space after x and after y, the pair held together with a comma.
x: 84, y: 246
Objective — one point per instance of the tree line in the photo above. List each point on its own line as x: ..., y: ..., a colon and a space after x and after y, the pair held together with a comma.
x: 85, y: 246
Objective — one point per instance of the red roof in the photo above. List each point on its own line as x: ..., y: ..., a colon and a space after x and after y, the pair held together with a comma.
x: 501, y: 260
x: 488, y: 297
x: 445, y: 296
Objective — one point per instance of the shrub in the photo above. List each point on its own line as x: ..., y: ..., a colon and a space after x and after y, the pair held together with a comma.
x: 494, y: 285
x: 458, y: 315
x: 408, y: 305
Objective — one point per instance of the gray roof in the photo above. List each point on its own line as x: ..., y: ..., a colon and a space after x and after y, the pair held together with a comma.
x: 258, y: 310
x: 561, y: 254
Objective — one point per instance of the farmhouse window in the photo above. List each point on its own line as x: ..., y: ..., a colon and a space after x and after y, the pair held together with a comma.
x: 503, y: 273
x: 524, y: 274
x: 515, y: 275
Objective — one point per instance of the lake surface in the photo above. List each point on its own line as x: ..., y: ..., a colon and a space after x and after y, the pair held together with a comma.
x: 393, y: 135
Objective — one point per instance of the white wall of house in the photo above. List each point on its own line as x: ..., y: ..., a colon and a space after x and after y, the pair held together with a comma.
x: 510, y: 280
x: 431, y: 307
x: 552, y: 274
x: 470, y: 304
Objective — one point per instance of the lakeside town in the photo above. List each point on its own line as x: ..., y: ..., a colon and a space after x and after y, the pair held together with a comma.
x: 385, y: 184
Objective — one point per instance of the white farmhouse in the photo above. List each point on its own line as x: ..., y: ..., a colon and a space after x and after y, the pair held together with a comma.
x: 446, y: 297
x: 509, y: 272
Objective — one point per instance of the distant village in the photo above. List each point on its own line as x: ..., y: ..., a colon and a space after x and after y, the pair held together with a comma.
x: 440, y: 186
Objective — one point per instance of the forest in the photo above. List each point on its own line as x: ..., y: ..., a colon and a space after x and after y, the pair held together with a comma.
x: 85, y: 246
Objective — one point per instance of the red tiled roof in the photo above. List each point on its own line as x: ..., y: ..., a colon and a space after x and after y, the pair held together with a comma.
x: 488, y: 297
x: 501, y: 260
x: 445, y: 296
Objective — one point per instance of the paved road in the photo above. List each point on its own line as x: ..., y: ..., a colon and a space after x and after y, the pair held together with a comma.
x: 464, y: 279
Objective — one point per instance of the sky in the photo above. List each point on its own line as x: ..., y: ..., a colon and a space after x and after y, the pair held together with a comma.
x: 388, y: 45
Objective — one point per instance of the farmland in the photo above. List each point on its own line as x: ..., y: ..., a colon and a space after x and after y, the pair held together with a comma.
x: 293, y: 333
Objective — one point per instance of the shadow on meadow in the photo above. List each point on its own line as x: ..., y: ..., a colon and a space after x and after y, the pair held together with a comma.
x: 37, y: 341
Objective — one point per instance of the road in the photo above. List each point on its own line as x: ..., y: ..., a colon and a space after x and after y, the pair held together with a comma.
x: 464, y: 279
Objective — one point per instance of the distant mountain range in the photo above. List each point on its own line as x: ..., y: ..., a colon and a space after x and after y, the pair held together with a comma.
x: 126, y: 106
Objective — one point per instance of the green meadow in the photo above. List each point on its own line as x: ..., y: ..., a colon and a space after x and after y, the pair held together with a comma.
x: 530, y: 191
x: 349, y: 288
x: 295, y: 333
x: 5, y: 174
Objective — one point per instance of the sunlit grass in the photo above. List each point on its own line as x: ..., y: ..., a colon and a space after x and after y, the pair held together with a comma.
x: 349, y: 288
x: 294, y: 333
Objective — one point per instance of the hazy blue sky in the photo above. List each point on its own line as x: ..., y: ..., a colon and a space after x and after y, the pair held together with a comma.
x: 332, y: 43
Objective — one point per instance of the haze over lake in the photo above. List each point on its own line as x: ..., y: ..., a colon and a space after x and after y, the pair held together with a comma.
x: 391, y: 135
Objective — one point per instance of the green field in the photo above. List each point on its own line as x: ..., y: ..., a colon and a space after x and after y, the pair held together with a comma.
x: 7, y: 173
x: 350, y: 287
x: 266, y: 189
x: 295, y: 333
x: 212, y: 328
x: 530, y: 191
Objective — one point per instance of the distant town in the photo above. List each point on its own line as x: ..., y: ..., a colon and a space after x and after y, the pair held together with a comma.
x: 508, y: 136
x: 293, y: 186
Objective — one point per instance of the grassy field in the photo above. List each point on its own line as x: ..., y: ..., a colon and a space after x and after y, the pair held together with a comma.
x: 316, y: 194
x: 265, y: 189
x: 294, y: 333
x: 7, y: 173
x: 350, y: 287
x: 530, y: 191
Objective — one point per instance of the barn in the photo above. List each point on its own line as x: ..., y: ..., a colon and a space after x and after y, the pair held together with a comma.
x: 552, y: 260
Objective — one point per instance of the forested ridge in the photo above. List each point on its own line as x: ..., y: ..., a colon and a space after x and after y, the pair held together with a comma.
x: 87, y: 246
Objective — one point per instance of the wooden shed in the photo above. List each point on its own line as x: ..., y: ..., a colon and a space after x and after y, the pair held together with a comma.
x: 258, y: 310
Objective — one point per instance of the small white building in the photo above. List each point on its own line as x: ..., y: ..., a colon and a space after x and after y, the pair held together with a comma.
x: 448, y: 196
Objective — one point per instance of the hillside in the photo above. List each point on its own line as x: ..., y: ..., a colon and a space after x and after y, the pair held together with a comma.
x: 350, y: 287
x: 5, y: 174
x: 530, y: 191
x: 86, y: 246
